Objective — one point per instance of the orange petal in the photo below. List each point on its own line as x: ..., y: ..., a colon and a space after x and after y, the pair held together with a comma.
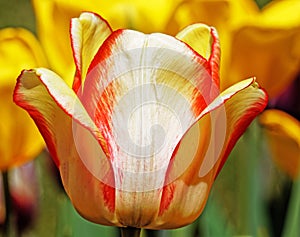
x: 70, y: 137
x: 208, y: 144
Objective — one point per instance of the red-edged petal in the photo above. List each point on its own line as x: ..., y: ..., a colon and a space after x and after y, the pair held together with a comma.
x: 205, y: 41
x: 72, y: 141
x: 144, y: 92
x: 88, y: 32
x: 208, y: 142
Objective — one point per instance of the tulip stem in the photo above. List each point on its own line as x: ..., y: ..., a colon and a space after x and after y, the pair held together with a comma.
x: 130, y: 232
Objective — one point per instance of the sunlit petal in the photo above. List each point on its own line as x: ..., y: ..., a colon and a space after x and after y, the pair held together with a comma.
x: 87, y: 34
x: 204, y: 40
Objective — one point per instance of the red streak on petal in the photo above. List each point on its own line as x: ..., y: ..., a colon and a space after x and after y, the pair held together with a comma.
x: 241, y: 126
x: 39, y: 120
x: 199, y: 103
x: 168, y: 189
x: 77, y: 82
x: 214, y: 58
x: 109, y: 197
x: 105, y: 50
x: 101, y: 108
x: 166, y: 198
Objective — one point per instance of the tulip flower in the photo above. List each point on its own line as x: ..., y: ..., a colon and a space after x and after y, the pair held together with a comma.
x: 20, y: 140
x: 261, y: 42
x: 144, y: 131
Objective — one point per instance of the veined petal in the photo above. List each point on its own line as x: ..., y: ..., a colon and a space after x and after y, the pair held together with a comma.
x: 209, y: 141
x: 123, y: 63
x: 282, y: 131
x: 87, y: 35
x: 68, y: 131
x: 144, y: 92
x: 204, y: 40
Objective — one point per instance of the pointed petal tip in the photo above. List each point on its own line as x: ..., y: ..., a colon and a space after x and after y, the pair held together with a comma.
x: 88, y: 32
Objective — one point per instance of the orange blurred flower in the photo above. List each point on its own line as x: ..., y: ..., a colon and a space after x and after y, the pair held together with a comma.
x: 282, y: 128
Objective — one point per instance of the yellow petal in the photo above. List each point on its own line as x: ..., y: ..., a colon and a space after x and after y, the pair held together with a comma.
x: 69, y: 134
x: 20, y: 139
x: 283, y: 134
x: 19, y: 49
x: 271, y: 54
x: 87, y: 35
x: 281, y: 14
x: 204, y: 40
x: 199, y: 38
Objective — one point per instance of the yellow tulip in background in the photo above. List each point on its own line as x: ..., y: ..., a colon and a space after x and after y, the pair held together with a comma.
x: 20, y: 140
x: 261, y: 42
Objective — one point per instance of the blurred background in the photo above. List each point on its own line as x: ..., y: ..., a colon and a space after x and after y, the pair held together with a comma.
x: 257, y: 192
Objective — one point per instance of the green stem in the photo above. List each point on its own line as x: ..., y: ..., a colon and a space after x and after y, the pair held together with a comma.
x: 291, y: 227
x: 130, y: 232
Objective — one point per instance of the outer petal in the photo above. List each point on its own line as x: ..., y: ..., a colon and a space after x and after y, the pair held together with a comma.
x: 209, y: 142
x: 63, y: 123
x: 204, y: 40
x: 87, y: 35
x: 20, y: 139
x: 283, y: 133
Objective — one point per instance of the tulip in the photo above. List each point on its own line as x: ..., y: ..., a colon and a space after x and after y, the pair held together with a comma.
x: 144, y: 131
x: 20, y: 140
x: 261, y: 42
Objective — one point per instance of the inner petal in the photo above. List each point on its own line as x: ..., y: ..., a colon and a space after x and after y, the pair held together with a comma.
x: 144, y: 92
